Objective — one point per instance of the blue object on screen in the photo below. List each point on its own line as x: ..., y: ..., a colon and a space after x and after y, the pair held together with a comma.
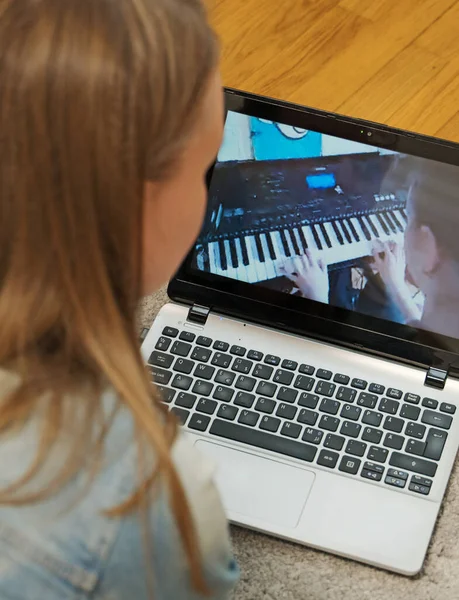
x: 321, y: 181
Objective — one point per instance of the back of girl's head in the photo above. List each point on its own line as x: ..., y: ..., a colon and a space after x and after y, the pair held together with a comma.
x: 96, y: 97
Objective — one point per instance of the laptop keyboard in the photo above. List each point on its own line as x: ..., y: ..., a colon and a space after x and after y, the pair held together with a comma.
x: 303, y: 411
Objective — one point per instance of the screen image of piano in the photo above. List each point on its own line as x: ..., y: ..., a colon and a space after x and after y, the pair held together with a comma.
x: 262, y: 213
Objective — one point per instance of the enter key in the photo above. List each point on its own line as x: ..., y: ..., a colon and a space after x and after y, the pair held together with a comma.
x: 435, y: 443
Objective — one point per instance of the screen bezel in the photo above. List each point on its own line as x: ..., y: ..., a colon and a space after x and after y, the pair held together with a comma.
x: 275, y: 309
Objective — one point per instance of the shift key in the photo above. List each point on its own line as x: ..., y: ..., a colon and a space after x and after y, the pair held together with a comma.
x: 413, y: 464
x: 436, y: 439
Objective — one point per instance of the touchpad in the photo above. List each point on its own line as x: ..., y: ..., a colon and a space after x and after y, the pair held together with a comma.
x: 260, y: 488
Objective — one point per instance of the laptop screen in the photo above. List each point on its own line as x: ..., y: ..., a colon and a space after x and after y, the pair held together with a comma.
x: 335, y: 221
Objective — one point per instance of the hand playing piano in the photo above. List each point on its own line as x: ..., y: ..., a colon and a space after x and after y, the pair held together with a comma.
x: 389, y: 261
x: 309, y: 275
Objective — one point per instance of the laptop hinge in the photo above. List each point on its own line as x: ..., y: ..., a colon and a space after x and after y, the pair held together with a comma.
x: 436, y: 378
x: 198, y: 314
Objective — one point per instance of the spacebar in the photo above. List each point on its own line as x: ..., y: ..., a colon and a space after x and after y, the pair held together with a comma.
x: 258, y: 438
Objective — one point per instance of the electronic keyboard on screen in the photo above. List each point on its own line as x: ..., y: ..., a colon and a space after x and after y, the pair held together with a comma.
x: 268, y: 213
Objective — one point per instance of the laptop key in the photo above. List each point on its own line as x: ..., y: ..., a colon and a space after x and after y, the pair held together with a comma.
x: 223, y: 393
x: 350, y: 429
x: 181, y: 348
x: 199, y: 422
x: 254, y: 355
x: 415, y: 447
x: 329, y: 423
x: 170, y: 331
x: 225, y: 377
x: 419, y: 489
x: 349, y: 464
x: 262, y: 371
x: 283, y: 377
x: 376, y: 388
x: 397, y: 474
x: 207, y: 406
x: 286, y: 394
x: 324, y: 374
x: 351, y: 412
x: 291, y: 365
x: 373, y: 475
x: 201, y: 354
x: 265, y: 405
x: 185, y: 400
x: 270, y: 424
x: 242, y: 366
x: 202, y: 388
x: 262, y: 439
x: 413, y: 464
x: 183, y: 365
x: 410, y: 412
x: 370, y: 417
x: 270, y: 359
x: 356, y: 448
x: 367, y: 400
x: 371, y: 466
x: 221, y: 346
x: 359, y: 384
x: 436, y: 419
x: 306, y: 369
x: 187, y: 336
x: 221, y: 360
x: 308, y: 400
x: 286, y: 411
x: 244, y: 399
x: 237, y: 350
x: 181, y: 413
x: 435, y: 442
x: 342, y: 379
x: 327, y: 458
x: 346, y: 394
x: 393, y: 441
x: 308, y: 417
x: 393, y: 424
x: 159, y: 359
x: 247, y: 417
x: 430, y: 403
x: 420, y: 480
x: 204, y: 371
x: 204, y: 341
x: 329, y: 406
x: 394, y: 393
x: 447, y: 408
x: 324, y: 388
x: 265, y: 388
x: 313, y: 436
x: 163, y: 343
x: 291, y: 430
x: 245, y: 383
x: 415, y: 430
x: 372, y: 435
x: 167, y: 395
x: 412, y: 398
x: 389, y: 406
x: 160, y: 375
x: 335, y: 442
x: 378, y: 454
x: 227, y: 411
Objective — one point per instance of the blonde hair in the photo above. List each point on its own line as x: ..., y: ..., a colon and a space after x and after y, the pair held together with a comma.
x: 96, y: 97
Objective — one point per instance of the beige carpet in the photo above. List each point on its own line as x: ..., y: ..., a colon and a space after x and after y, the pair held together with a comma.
x: 277, y: 570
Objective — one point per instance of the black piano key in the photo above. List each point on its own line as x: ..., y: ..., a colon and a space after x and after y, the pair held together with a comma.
x: 383, y: 224
x: 366, y: 233
x: 233, y: 253
x: 353, y: 230
x: 346, y: 231
x: 272, y: 252
x: 372, y: 226
x: 294, y: 242
x: 284, y: 243
x: 245, y: 256
x: 302, y: 238
x: 397, y: 222
x: 316, y: 237
x: 261, y: 254
x: 222, y: 253
x: 325, y: 234
x: 338, y: 233
x: 390, y: 222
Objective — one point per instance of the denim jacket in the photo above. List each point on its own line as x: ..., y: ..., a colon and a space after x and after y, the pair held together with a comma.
x: 61, y: 550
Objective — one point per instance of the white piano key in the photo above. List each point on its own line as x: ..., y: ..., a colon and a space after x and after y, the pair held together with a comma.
x: 298, y: 240
x: 278, y: 247
x: 214, y: 265
x: 242, y: 270
x: 259, y: 267
x: 289, y: 243
x: 269, y: 263
x: 310, y: 238
x: 252, y: 275
x: 343, y: 235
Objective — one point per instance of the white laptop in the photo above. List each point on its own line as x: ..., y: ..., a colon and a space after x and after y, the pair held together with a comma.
x: 332, y: 421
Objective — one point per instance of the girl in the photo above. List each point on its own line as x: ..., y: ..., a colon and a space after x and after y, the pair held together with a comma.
x: 110, y: 115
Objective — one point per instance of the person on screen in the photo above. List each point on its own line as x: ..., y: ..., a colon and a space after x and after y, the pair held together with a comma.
x: 111, y: 113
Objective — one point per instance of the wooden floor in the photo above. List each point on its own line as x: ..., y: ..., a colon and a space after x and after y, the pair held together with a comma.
x: 392, y: 61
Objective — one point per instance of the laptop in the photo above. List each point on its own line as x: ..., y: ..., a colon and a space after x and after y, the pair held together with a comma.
x: 328, y: 409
